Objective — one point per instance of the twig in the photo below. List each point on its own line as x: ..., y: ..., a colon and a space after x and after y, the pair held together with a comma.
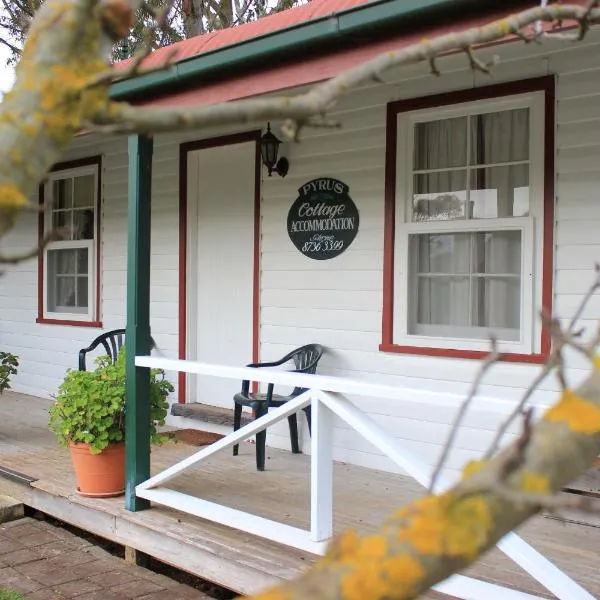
x: 516, y: 457
x: 477, y: 64
x: 132, y: 70
x: 10, y: 46
x: 584, y: 25
x: 559, y: 339
x: 547, y: 501
x: 492, y: 358
x: 52, y: 236
x: 591, y: 291
x: 134, y: 67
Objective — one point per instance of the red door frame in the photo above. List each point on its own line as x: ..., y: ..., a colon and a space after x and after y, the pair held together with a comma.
x: 184, y: 149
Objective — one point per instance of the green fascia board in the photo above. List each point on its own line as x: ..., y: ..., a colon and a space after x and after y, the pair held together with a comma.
x: 274, y: 45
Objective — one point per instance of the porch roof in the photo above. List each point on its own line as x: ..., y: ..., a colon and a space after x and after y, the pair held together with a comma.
x: 296, y: 47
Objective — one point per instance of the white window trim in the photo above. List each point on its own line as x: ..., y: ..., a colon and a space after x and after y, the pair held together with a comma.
x: 91, y: 245
x: 531, y: 227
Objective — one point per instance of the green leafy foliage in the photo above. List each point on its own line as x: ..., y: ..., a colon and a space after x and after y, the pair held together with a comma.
x: 6, y: 594
x: 90, y: 405
x: 8, y: 366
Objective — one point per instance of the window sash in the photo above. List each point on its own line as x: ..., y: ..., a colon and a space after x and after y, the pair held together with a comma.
x: 72, y: 313
x: 429, y: 336
x: 466, y: 284
x: 531, y: 227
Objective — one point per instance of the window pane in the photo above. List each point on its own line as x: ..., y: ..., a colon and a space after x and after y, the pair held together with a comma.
x: 83, y: 224
x: 82, y: 260
x: 83, y: 191
x: 441, y: 253
x: 497, y: 252
x: 65, y: 291
x: 497, y: 304
x: 466, y: 285
x: 82, y: 292
x: 62, y: 193
x: 61, y: 220
x: 440, y: 144
x: 439, y: 196
x: 63, y: 288
x: 499, y: 192
x: 500, y: 137
x: 442, y: 301
x: 61, y: 262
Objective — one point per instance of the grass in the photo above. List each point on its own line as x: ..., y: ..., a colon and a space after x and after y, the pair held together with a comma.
x: 6, y: 594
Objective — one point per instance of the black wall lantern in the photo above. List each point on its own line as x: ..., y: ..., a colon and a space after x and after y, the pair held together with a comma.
x: 269, y: 148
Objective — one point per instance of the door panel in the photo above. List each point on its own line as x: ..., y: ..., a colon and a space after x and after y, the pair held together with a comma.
x: 225, y: 264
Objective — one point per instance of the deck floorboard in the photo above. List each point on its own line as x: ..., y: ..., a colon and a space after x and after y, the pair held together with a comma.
x: 362, y: 499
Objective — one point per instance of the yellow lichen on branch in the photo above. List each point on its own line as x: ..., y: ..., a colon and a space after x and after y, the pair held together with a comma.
x: 50, y: 98
x: 577, y: 413
x: 11, y: 197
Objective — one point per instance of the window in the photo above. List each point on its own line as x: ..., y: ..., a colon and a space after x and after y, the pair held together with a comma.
x: 470, y: 202
x: 69, y: 277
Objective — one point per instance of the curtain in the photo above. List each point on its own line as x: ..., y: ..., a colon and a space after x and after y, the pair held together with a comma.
x: 465, y: 282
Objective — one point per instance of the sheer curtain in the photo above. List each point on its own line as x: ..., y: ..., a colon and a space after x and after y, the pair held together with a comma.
x: 464, y: 284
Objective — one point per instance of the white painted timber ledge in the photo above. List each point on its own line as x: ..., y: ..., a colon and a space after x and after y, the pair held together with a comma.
x: 326, y: 383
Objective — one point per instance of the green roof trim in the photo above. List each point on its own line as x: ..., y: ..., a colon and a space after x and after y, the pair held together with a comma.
x: 309, y: 35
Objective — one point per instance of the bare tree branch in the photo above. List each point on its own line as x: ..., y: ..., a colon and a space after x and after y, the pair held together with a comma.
x: 433, y: 537
x: 10, y: 46
x: 13, y: 259
x: 554, y: 360
x: 429, y: 539
x: 321, y: 98
x: 493, y: 357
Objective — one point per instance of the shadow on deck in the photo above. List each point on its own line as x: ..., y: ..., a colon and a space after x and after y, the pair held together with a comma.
x: 228, y: 557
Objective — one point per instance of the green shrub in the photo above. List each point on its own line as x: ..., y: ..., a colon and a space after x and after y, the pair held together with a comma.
x: 8, y: 366
x: 90, y: 405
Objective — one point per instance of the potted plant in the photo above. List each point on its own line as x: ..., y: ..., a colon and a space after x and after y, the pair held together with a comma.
x: 89, y: 417
x: 8, y: 367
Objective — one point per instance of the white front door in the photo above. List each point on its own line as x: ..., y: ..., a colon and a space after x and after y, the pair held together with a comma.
x: 221, y: 183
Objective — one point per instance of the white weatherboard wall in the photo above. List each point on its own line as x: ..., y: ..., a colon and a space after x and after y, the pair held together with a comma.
x: 337, y: 302
x: 46, y: 351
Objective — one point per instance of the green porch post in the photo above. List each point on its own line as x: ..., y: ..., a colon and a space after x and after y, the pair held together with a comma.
x: 137, y: 418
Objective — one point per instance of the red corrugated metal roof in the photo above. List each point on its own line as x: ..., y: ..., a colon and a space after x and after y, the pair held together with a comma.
x: 201, y: 44
x: 308, y: 70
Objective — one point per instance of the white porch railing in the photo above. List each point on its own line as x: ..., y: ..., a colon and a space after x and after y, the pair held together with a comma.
x: 326, y: 394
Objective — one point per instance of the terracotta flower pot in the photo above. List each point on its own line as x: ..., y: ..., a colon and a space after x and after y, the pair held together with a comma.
x: 99, y: 475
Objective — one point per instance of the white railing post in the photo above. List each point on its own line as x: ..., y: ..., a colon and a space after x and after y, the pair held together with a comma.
x: 321, y: 471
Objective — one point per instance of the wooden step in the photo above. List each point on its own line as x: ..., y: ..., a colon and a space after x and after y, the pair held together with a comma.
x: 10, y: 509
x: 208, y: 414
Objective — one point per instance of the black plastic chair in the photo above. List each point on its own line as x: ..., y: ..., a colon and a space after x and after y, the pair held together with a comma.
x: 305, y: 360
x: 112, y: 342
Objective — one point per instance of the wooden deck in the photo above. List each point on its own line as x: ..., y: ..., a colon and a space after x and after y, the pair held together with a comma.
x: 242, y: 562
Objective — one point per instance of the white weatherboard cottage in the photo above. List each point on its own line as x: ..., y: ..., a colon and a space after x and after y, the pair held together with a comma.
x: 477, y: 203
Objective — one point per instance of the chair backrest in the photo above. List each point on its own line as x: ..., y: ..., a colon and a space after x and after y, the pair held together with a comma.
x: 306, y: 359
x: 112, y: 341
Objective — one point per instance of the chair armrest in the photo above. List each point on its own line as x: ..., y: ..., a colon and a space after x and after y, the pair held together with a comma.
x: 246, y: 382
x: 268, y: 364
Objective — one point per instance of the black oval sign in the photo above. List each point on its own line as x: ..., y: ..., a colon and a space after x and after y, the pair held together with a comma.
x: 323, y: 221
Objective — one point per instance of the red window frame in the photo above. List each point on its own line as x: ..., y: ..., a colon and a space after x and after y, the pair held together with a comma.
x: 545, y: 84
x: 63, y: 166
